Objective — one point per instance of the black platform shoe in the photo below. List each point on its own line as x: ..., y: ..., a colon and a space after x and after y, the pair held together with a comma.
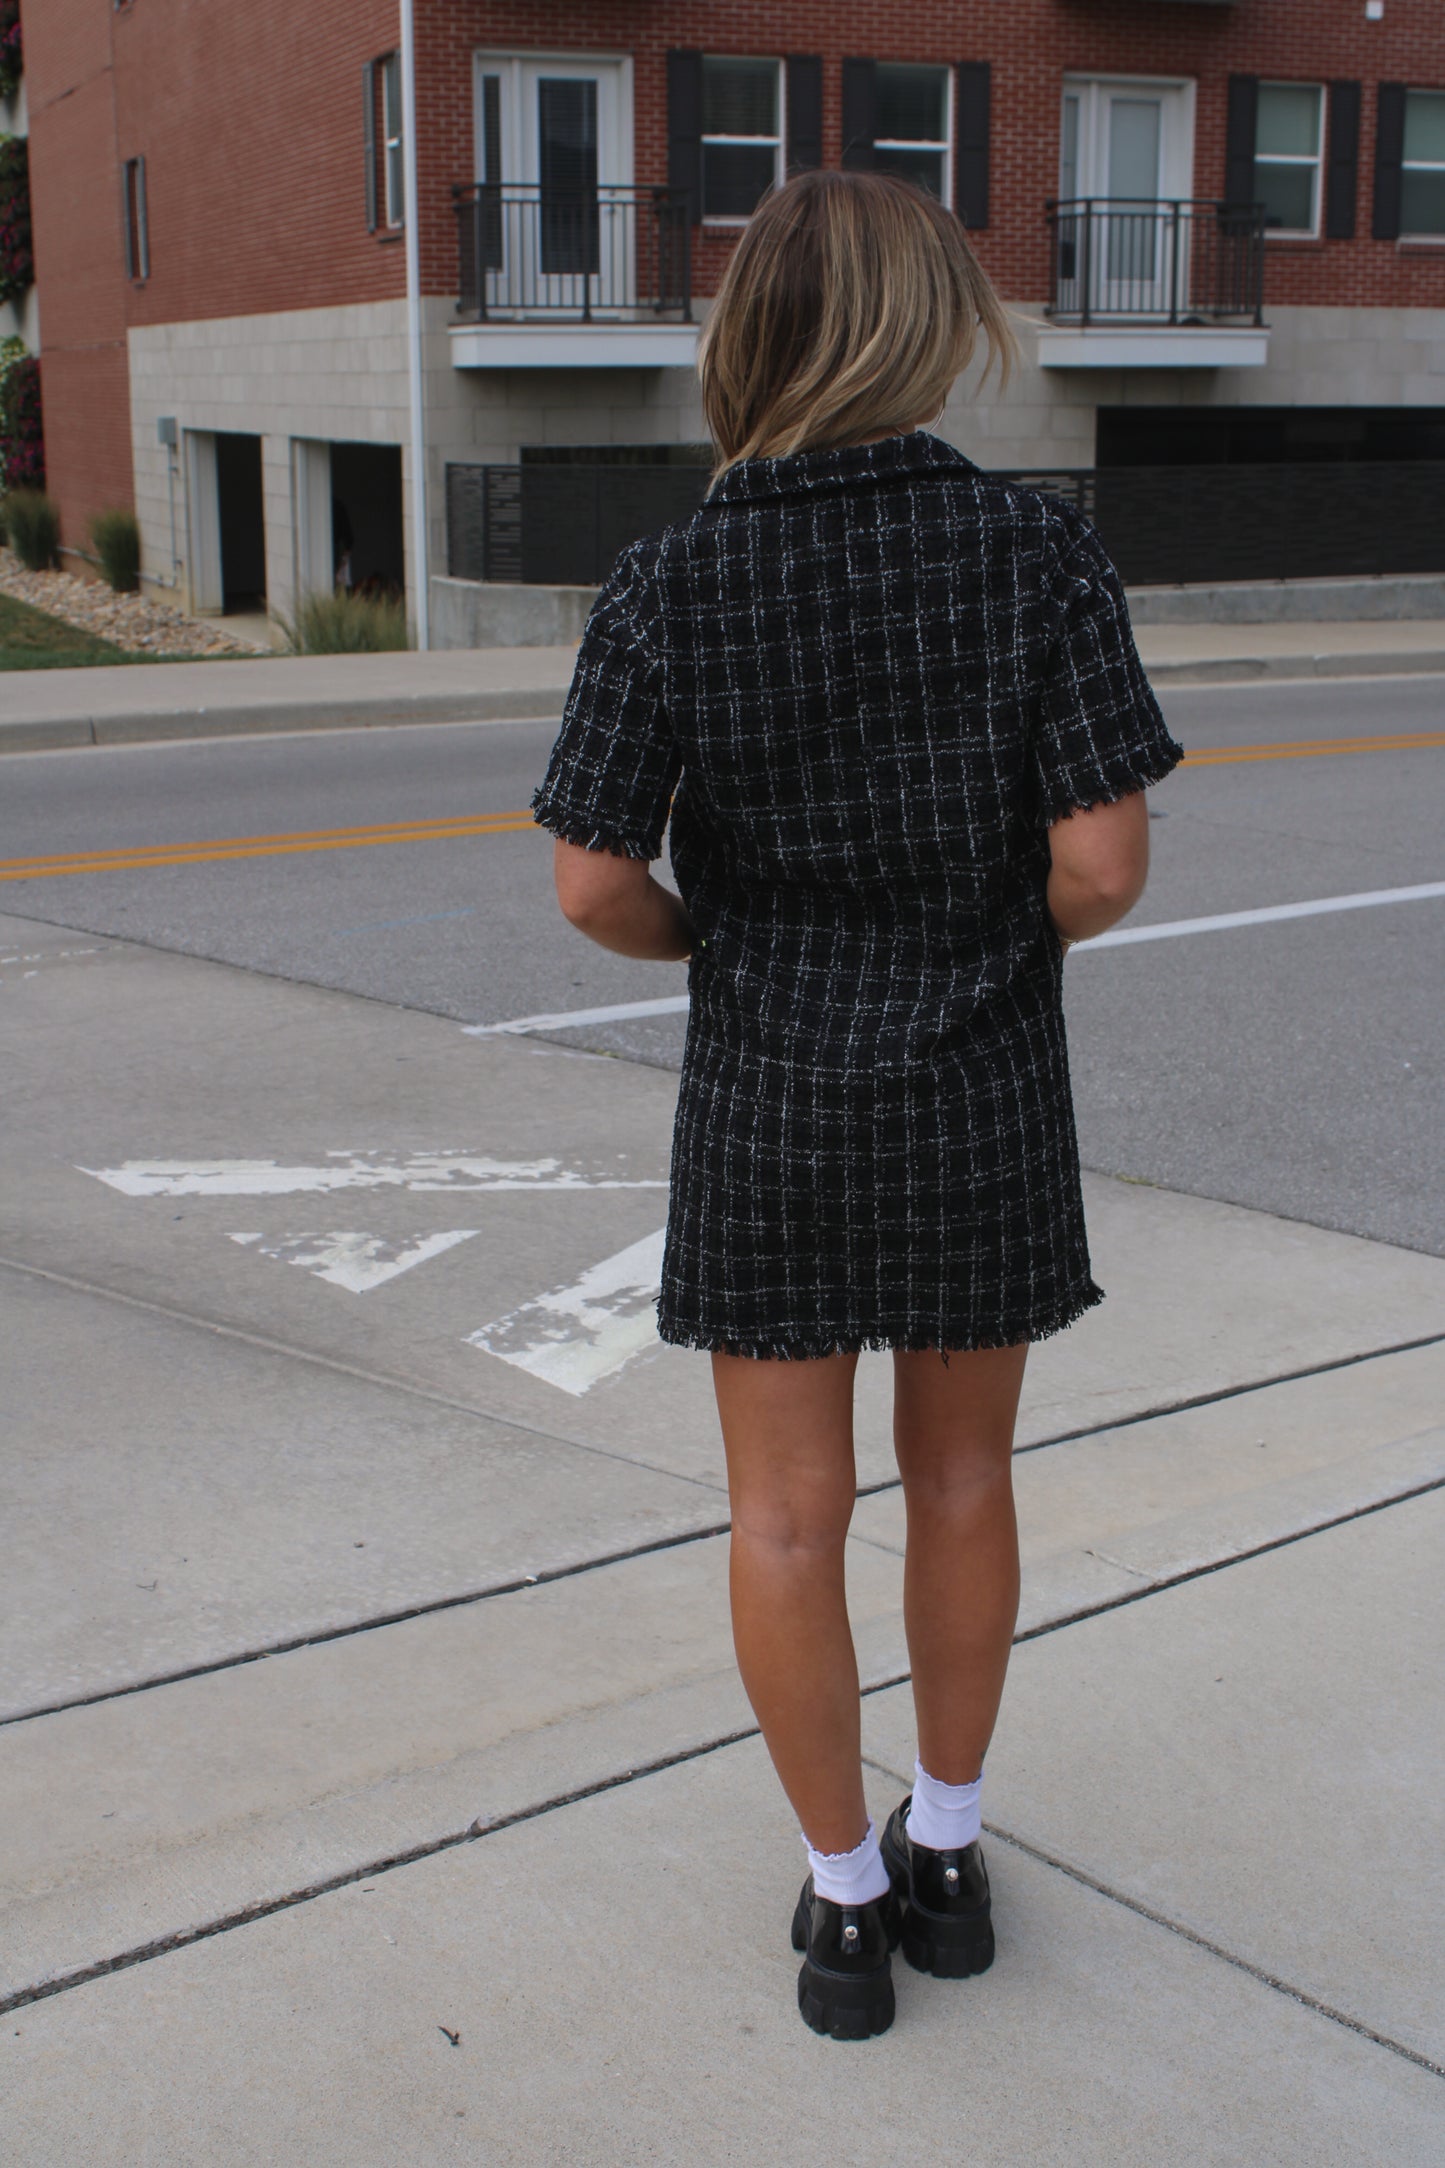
x: 946, y: 1925
x: 845, y: 1988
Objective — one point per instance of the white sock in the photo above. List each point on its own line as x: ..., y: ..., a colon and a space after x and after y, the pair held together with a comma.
x: 945, y: 1817
x: 850, y: 1878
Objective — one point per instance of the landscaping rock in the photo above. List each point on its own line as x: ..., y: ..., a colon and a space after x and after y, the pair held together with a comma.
x: 136, y: 623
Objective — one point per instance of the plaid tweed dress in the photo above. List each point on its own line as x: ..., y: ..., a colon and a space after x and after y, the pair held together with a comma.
x: 863, y: 682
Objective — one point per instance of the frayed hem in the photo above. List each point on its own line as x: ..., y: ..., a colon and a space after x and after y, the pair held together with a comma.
x: 965, y: 1342
x: 1151, y: 768
x: 587, y: 837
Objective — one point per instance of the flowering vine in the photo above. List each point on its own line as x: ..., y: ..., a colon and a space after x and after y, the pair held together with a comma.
x: 17, y: 258
x: 11, y: 62
x: 22, y: 442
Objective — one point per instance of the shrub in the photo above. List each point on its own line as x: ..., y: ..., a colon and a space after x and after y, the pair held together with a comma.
x: 22, y: 441
x: 346, y: 624
x: 17, y: 255
x: 11, y: 64
x: 115, y: 537
x: 33, y: 525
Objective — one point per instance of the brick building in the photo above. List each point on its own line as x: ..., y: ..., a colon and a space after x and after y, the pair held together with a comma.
x: 1220, y: 224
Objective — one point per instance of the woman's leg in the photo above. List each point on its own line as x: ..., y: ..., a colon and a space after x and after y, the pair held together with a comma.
x: 953, y: 1428
x: 788, y: 1431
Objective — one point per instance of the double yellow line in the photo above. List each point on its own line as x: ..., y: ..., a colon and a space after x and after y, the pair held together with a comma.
x: 217, y: 851
x: 224, y: 847
x: 1401, y: 741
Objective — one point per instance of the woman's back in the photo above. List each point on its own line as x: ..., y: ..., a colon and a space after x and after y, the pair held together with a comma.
x: 879, y: 672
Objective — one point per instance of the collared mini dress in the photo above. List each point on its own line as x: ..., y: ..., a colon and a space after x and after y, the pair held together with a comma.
x: 856, y: 688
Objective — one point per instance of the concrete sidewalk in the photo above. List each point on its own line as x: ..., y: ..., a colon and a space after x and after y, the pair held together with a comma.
x: 369, y: 1692
x: 47, y: 709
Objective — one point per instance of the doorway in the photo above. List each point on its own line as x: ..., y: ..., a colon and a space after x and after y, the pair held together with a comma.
x: 367, y: 546
x: 553, y: 159
x: 1126, y: 158
x: 242, y: 522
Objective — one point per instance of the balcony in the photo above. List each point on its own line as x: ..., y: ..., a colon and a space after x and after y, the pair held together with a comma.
x: 553, y: 278
x: 1154, y: 284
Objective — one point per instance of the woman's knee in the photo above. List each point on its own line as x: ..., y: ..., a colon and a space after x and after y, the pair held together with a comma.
x: 808, y: 1525
x: 956, y: 1478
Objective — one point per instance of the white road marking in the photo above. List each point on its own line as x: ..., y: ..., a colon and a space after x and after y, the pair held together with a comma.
x: 418, y: 1171
x: 565, y: 1019
x: 1223, y: 921
x: 1122, y: 936
x: 357, y: 1262
x: 576, y: 1336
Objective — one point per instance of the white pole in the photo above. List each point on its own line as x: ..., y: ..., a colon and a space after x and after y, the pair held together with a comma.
x: 422, y: 599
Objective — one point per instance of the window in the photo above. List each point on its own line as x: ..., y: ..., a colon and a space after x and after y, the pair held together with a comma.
x: 1289, y: 128
x: 393, y: 159
x: 742, y: 142
x: 137, y: 226
x: 1422, y: 169
x: 911, y: 124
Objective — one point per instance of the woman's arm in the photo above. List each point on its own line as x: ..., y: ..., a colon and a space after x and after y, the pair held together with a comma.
x: 616, y: 902
x: 1099, y: 864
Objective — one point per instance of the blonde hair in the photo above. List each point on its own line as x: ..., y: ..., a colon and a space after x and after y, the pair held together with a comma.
x: 852, y: 302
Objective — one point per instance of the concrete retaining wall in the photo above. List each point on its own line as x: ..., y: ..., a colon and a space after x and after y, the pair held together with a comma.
x: 1274, y: 602
x: 473, y: 613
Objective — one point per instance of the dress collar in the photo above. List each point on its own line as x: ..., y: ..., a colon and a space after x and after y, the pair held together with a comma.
x: 914, y: 452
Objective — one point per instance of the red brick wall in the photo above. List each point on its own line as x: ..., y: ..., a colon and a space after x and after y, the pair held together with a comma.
x: 78, y: 260
x: 250, y: 122
x: 1031, y: 44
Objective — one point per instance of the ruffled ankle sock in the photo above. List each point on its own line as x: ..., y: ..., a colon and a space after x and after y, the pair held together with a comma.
x: 945, y: 1817
x: 850, y: 1878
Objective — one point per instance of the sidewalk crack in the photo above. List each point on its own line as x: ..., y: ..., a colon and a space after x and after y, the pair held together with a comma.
x: 1268, y: 1979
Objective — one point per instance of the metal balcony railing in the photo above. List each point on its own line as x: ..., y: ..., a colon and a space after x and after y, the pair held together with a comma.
x: 600, y: 254
x: 1144, y: 262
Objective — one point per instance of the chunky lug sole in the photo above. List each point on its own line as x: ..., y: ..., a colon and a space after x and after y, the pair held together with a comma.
x: 950, y: 1946
x: 950, y: 1949
x: 841, y: 2006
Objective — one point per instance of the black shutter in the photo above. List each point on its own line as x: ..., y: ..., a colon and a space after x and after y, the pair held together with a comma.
x: 1389, y: 150
x: 1342, y: 168
x: 860, y: 112
x: 970, y: 157
x: 805, y: 111
x: 1241, y: 120
x: 368, y: 137
x: 684, y: 128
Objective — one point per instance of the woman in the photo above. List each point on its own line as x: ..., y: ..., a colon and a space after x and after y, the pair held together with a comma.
x: 895, y: 709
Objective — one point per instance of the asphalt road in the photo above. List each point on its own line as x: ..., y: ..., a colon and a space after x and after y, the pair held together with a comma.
x: 1293, y: 1065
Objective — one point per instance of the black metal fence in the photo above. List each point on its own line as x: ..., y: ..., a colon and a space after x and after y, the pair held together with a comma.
x: 1118, y: 261
x: 559, y: 525
x: 609, y: 253
x: 1282, y: 521
x: 565, y: 524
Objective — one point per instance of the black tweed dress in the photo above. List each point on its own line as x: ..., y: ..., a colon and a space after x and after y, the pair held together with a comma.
x: 864, y: 682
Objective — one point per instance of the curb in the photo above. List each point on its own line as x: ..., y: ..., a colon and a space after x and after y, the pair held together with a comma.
x: 544, y: 704
x: 1251, y: 669
x: 43, y: 735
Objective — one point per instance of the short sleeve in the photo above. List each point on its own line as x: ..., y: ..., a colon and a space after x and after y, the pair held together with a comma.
x: 614, y: 766
x: 1098, y: 733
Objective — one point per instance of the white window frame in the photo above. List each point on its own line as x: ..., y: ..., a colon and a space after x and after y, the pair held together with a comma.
x: 393, y: 146
x: 514, y: 66
x: 727, y: 220
x: 1420, y: 165
x: 929, y: 143
x: 1316, y: 164
x: 1176, y: 159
